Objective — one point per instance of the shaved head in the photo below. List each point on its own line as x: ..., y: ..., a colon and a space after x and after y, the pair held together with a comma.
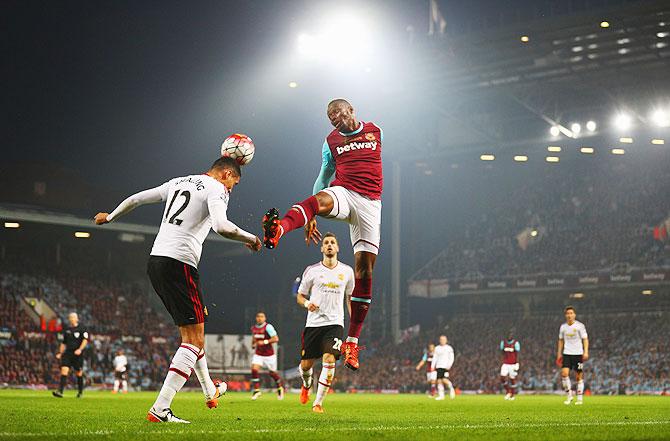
x: 339, y: 102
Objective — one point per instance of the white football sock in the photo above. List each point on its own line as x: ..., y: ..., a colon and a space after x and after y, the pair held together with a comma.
x: 307, y: 377
x: 580, y: 389
x: 352, y: 339
x: 180, y: 369
x: 325, y: 380
x: 202, y: 372
x: 567, y: 387
x: 449, y: 385
x: 116, y: 385
x: 440, y: 390
x: 124, y: 384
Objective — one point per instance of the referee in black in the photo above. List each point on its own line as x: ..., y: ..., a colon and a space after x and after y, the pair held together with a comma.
x: 73, y: 340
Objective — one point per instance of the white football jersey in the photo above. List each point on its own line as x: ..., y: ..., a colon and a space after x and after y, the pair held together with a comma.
x: 186, y: 218
x: 327, y: 288
x: 443, y: 357
x: 572, y: 336
x: 120, y: 362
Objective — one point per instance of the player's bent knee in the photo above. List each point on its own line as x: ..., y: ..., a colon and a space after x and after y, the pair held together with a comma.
x: 328, y: 358
x: 326, y: 203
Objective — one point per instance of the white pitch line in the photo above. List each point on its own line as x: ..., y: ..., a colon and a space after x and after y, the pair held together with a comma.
x: 342, y: 429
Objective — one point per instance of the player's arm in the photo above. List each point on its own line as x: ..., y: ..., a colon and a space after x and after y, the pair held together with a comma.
x: 434, y: 362
x: 61, y: 349
x: 422, y: 362
x: 327, y: 169
x: 306, y: 283
x: 559, y: 351
x: 222, y: 226
x: 304, y: 302
x: 450, y: 359
x: 274, y: 338
x: 150, y: 196
x: 585, y: 342
x: 82, y: 346
x: 517, y: 348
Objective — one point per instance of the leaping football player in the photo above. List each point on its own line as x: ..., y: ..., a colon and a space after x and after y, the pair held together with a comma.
x: 352, y: 152
x: 263, y: 336
x: 431, y: 374
x: 195, y: 204
x: 322, y: 291
x: 509, y: 370
x: 572, y: 352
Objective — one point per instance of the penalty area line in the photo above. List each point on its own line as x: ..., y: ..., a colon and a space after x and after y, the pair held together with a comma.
x: 378, y: 428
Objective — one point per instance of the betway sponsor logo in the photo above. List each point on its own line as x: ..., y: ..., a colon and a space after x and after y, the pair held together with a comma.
x: 357, y: 146
x: 626, y: 278
x: 589, y: 279
x: 497, y: 284
x: 555, y: 281
x: 526, y: 283
x: 653, y: 276
x: 468, y: 285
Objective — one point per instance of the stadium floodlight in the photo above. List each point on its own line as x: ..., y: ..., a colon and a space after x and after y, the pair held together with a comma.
x: 661, y: 118
x: 553, y: 159
x: 307, y: 45
x: 554, y: 131
x: 626, y: 140
x: 487, y: 157
x: 521, y: 158
x: 604, y: 24
x: 334, y: 31
x: 591, y: 126
x: 662, y: 34
x: 618, y: 151
x: 82, y: 234
x: 658, y: 141
x: 12, y: 225
x: 577, y: 295
x: 554, y: 149
x: 292, y: 84
x: 576, y: 128
x: 647, y: 292
x: 623, y: 121
x: 533, y: 233
x: 525, y: 39
x: 587, y: 150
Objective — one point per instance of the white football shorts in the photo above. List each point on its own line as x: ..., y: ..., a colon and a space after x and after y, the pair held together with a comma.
x: 509, y: 370
x: 363, y: 215
x: 268, y: 362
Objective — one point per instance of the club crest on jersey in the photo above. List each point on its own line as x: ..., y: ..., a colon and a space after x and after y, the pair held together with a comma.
x: 340, y: 276
x: 370, y: 136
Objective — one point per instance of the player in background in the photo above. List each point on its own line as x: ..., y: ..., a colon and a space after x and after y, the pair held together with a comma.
x: 73, y: 341
x: 322, y: 291
x: 509, y: 370
x: 573, y: 351
x: 263, y: 336
x: 195, y: 204
x: 443, y: 359
x: 352, y: 152
x: 120, y: 363
x: 431, y: 374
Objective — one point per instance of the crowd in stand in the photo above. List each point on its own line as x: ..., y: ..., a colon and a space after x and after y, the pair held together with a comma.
x: 630, y: 351
x: 581, y: 221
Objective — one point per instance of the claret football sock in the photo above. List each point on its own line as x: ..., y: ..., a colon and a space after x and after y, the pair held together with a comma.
x: 300, y: 214
x: 360, y: 304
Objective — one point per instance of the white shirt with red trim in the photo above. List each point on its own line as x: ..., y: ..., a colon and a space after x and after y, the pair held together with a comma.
x: 327, y: 288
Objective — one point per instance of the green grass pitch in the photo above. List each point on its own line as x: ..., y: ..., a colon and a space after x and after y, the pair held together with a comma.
x: 101, y: 415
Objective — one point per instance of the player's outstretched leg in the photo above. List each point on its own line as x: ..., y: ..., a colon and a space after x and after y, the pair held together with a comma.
x: 440, y: 390
x: 298, y: 216
x: 61, y: 387
x: 80, y: 384
x: 360, y: 304
x: 280, y: 386
x: 505, y: 385
x: 181, y: 366
x: 512, y: 388
x: 580, y: 390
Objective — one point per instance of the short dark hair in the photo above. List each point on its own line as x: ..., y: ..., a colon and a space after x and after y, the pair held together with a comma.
x: 569, y: 307
x: 261, y: 312
x: 227, y: 163
x: 338, y: 102
x: 329, y: 234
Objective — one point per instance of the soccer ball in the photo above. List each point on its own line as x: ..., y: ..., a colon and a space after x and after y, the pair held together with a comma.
x: 239, y: 147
